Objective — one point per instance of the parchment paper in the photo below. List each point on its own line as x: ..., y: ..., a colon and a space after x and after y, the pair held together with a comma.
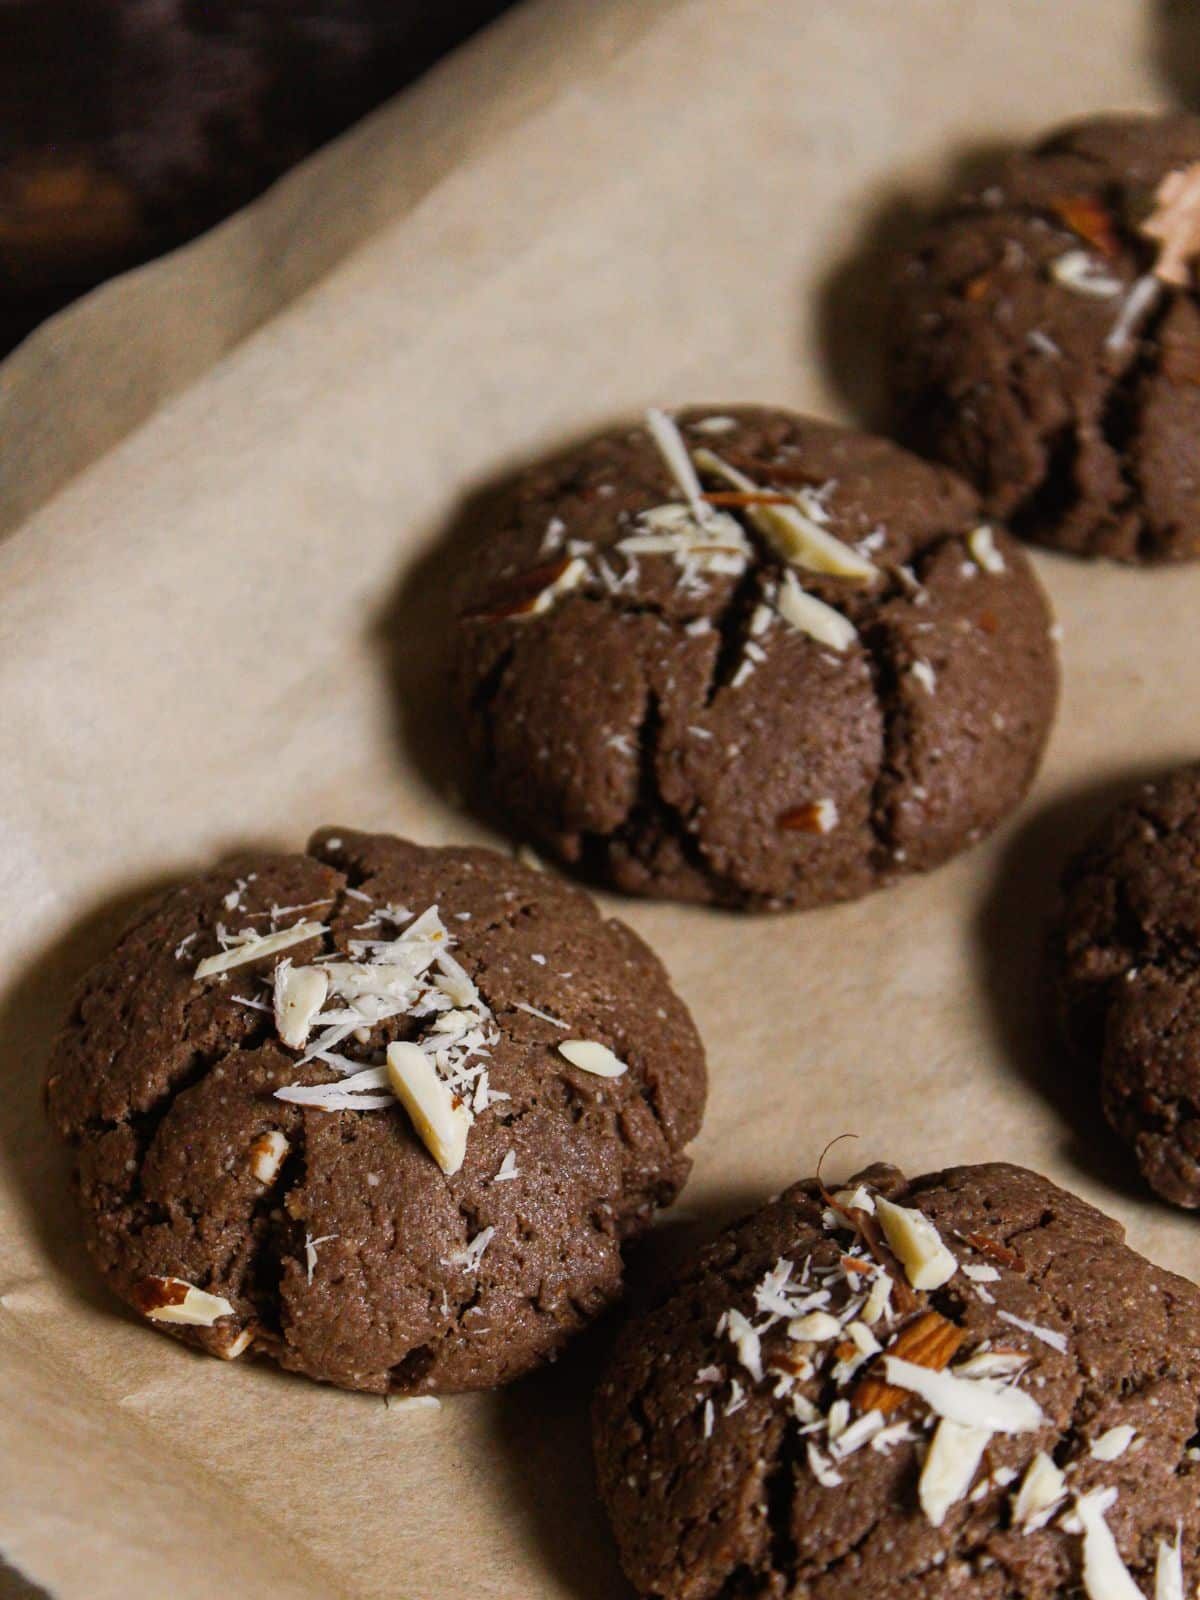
x: 224, y: 631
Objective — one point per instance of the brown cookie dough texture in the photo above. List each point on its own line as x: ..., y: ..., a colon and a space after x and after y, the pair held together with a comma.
x: 1045, y: 340
x: 962, y: 1384
x: 247, y: 1194
x: 748, y: 658
x: 1126, y: 955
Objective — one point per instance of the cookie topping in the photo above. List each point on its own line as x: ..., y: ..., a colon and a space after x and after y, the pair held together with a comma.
x: 1112, y: 1445
x: 817, y: 816
x: 950, y: 1467
x: 174, y: 1300
x: 590, y: 1056
x: 507, y: 1169
x: 300, y: 993
x: 812, y: 616
x: 240, y: 948
x: 1105, y: 1575
x: 440, y: 1117
x: 795, y: 535
x: 1084, y: 215
x: 982, y: 545
x: 1043, y: 1489
x: 674, y: 452
x: 267, y: 1155
x: 975, y: 1402
x: 1050, y: 1336
x: 1174, y: 225
x: 917, y: 1245
x: 1083, y: 274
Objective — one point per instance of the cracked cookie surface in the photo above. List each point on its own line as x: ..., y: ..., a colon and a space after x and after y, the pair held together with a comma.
x: 796, y: 1418
x: 1126, y: 961
x: 327, y: 1236
x: 813, y: 674
x: 1034, y: 349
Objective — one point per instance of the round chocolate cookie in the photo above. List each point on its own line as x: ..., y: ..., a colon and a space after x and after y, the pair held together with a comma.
x: 749, y: 658
x: 384, y: 1113
x: 1126, y: 956
x: 1045, y: 339
x: 966, y: 1383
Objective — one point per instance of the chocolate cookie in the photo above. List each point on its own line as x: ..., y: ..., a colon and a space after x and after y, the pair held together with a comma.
x: 748, y: 658
x: 1046, y: 339
x: 384, y: 1113
x: 1127, y: 972
x: 966, y: 1383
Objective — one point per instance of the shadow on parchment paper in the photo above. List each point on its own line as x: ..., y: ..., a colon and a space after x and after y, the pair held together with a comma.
x: 1012, y: 931
x: 413, y: 635
x: 851, y: 304
x: 542, y: 1425
x: 32, y: 1009
x: 1175, y: 47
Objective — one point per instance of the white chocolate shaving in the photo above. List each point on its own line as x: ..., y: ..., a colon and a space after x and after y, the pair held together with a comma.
x: 256, y: 947
x: 591, y: 1056
x: 796, y: 537
x: 812, y: 616
x: 981, y: 542
x: 299, y: 994
x: 1168, y: 1570
x: 814, y: 1328
x: 1083, y: 274
x: 975, y: 1402
x: 197, y: 1308
x: 1050, y: 1336
x: 1042, y: 1491
x: 674, y: 452
x: 746, y: 1342
x: 571, y: 576
x: 440, y: 1117
x: 950, y: 1467
x: 1112, y: 1445
x: 1105, y: 1575
x: 917, y: 1245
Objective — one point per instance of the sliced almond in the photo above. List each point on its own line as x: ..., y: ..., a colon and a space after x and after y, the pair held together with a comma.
x: 589, y: 1055
x: 917, y: 1245
x: 267, y: 1155
x: 175, y: 1300
x: 256, y: 948
x: 814, y: 1328
x: 812, y: 616
x: 1168, y: 1571
x: 816, y: 816
x: 299, y: 994
x: 796, y: 537
x: 440, y: 1117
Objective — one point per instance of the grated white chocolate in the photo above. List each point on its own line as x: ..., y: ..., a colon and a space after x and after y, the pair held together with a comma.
x: 975, y: 1402
x: 1105, y: 1575
x: 440, y: 1117
x: 1043, y: 1489
x: 1111, y: 1446
x: 299, y: 993
x: 981, y: 542
x: 917, y: 1245
x: 950, y: 1467
x: 1082, y: 273
x: 250, y: 946
x: 589, y: 1055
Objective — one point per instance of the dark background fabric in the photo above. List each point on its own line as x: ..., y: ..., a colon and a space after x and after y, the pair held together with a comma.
x: 129, y: 126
